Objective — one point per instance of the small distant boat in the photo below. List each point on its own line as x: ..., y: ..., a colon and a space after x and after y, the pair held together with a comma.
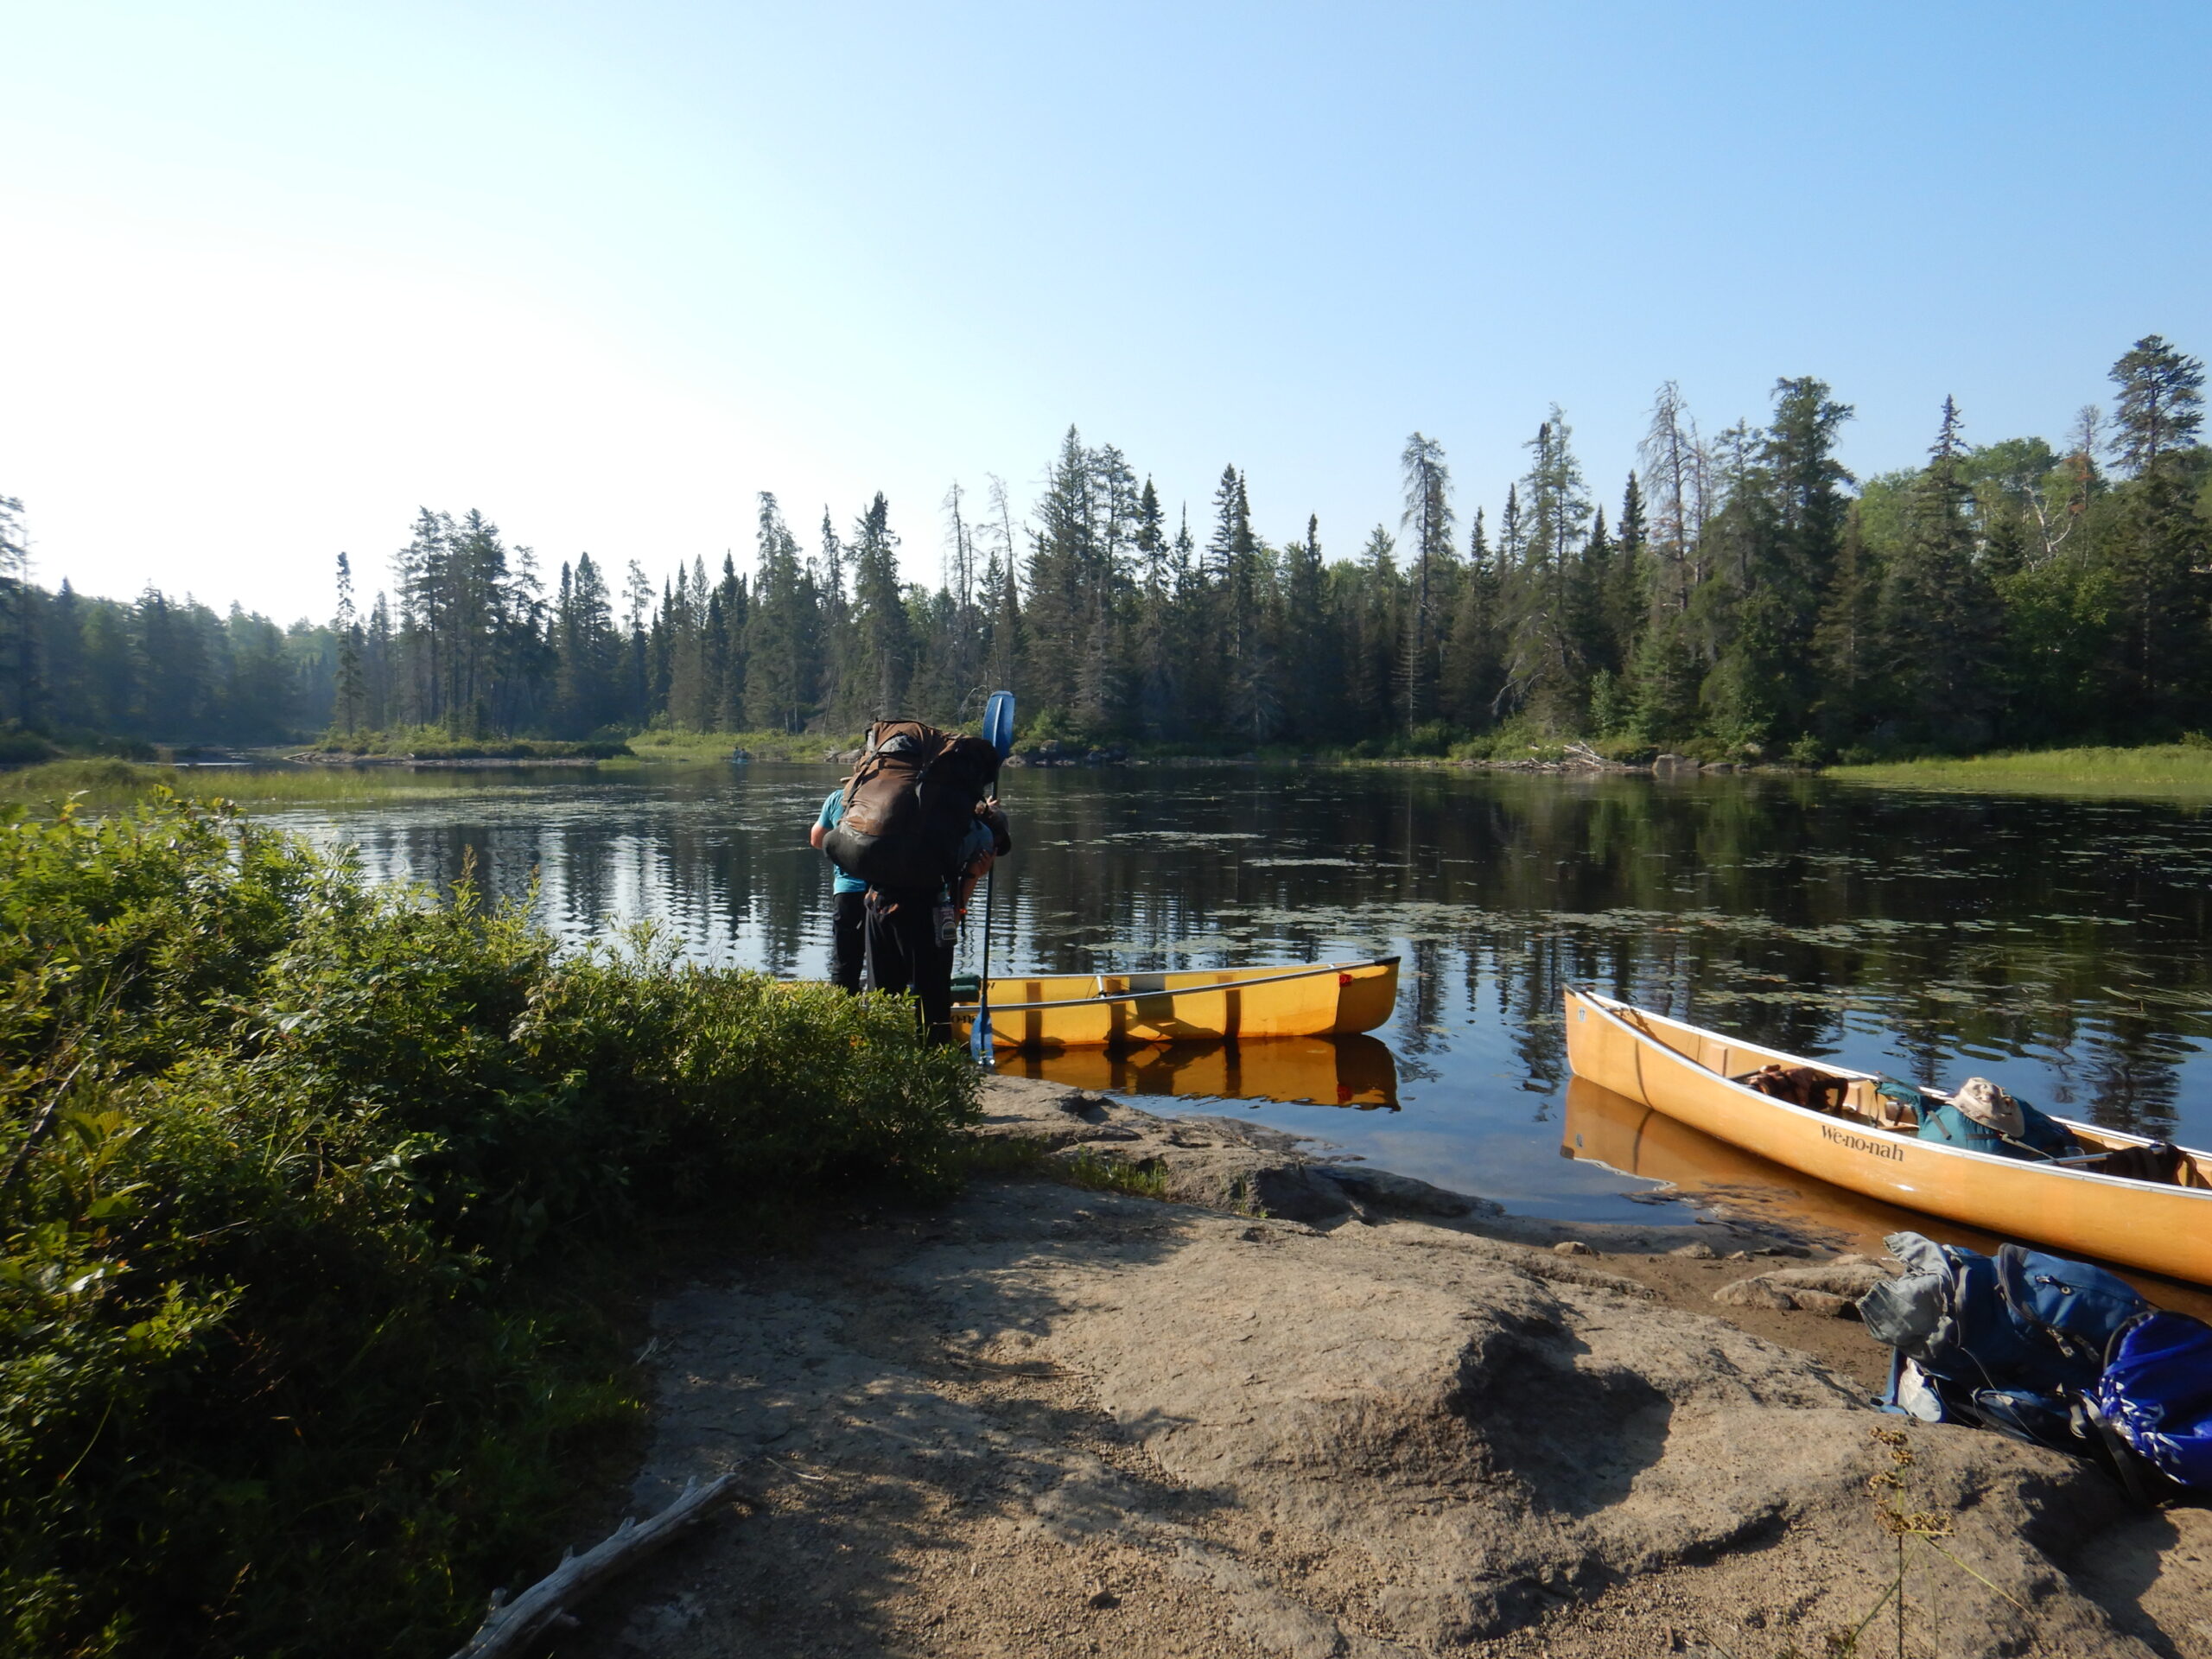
x: 1202, y: 1004
x: 1690, y: 1074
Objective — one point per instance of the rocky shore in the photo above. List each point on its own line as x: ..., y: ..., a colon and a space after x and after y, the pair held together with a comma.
x: 1272, y: 1404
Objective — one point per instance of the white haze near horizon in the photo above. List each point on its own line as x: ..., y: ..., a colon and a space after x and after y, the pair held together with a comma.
x: 277, y: 276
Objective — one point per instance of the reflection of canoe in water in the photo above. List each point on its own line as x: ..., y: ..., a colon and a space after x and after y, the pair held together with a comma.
x: 1627, y: 1135
x: 1688, y: 1074
x: 1637, y: 1140
x: 1206, y: 1004
x: 1328, y: 1071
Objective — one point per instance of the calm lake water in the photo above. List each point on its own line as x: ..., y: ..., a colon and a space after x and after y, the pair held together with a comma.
x: 2056, y: 946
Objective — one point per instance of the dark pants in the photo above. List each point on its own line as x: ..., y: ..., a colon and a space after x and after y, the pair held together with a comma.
x: 904, y: 956
x: 848, y: 939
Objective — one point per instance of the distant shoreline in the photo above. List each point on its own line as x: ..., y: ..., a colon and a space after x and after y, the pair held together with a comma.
x: 2171, y: 771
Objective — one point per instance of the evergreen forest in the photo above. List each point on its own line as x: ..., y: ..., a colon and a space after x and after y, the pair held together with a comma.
x: 1738, y: 592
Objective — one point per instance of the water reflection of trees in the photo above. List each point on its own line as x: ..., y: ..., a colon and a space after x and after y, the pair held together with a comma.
x: 1801, y: 914
x: 1941, y: 932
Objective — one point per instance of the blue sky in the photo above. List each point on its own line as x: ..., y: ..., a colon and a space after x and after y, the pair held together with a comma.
x: 278, y: 273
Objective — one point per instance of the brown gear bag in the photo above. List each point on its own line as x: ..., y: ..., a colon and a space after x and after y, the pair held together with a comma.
x: 908, y: 806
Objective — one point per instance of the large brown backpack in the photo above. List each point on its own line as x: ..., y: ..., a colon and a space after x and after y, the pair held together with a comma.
x: 908, y: 806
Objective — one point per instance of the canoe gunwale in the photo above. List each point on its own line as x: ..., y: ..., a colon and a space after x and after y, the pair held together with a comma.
x: 1609, y: 1008
x: 1214, y: 987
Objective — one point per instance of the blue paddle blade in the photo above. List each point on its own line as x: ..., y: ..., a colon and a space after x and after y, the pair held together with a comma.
x: 998, y: 722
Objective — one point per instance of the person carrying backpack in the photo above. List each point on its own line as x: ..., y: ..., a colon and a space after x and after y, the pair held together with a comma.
x: 912, y: 933
x: 848, y: 905
x: 917, y: 823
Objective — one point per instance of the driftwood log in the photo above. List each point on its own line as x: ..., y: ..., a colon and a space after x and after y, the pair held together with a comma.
x: 510, y: 1626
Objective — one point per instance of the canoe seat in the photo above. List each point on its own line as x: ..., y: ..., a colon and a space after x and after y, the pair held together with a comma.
x: 2158, y: 1161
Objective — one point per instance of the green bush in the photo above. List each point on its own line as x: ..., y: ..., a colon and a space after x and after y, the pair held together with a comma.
x: 21, y: 749
x: 300, y: 1176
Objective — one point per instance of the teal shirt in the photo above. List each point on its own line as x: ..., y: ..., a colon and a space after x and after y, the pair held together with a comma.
x: 977, y: 842
x: 832, y: 810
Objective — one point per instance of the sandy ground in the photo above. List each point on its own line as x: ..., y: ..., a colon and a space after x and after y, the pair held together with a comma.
x: 1377, y: 1420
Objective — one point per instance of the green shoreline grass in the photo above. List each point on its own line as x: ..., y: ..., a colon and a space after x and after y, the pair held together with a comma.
x: 664, y: 748
x: 101, y: 785
x: 2170, y: 770
x: 2152, y: 769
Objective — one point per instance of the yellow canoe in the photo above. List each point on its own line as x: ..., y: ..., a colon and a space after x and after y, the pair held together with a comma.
x: 1355, y: 1070
x: 1206, y: 1004
x: 1687, y: 1072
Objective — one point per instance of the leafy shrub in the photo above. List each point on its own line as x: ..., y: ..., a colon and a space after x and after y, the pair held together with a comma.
x: 21, y: 749
x: 1431, y: 738
x: 296, y: 1175
x: 1630, y: 751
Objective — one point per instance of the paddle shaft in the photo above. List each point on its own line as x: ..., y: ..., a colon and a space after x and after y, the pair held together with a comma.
x: 980, y: 1036
x: 998, y: 732
x: 981, y: 1048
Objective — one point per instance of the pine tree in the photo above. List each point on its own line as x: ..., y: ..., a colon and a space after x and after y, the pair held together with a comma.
x: 781, y: 656
x: 1471, y: 678
x: 734, y: 608
x: 20, y: 689
x: 175, y: 678
x: 1663, y: 676
x: 1545, y: 668
x: 1590, y: 575
x: 882, y: 662
x: 2161, y: 404
x: 1108, y: 591
x: 1846, y: 636
x: 1063, y: 558
x: 1372, y: 624
x: 352, y: 684
x: 380, y: 666
x: 957, y: 651
x: 1512, y: 537
x: 1308, y: 644
x: 2157, y: 556
x: 114, y: 668
x: 589, y: 650
x: 1155, y: 662
x: 71, y: 694
x: 1937, y: 612
x: 1426, y: 518
x: 683, y: 689
x: 1672, y: 456
x: 2158, y: 541
x: 1783, y: 522
x: 1250, y: 700
x: 1627, y: 598
x: 1006, y: 644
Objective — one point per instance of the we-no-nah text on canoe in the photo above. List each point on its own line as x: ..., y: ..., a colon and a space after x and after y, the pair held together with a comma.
x: 1860, y: 1143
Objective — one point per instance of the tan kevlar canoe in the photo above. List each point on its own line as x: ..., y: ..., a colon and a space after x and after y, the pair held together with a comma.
x: 1687, y: 1073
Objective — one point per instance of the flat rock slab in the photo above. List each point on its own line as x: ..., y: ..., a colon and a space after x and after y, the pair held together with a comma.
x: 1046, y: 1421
